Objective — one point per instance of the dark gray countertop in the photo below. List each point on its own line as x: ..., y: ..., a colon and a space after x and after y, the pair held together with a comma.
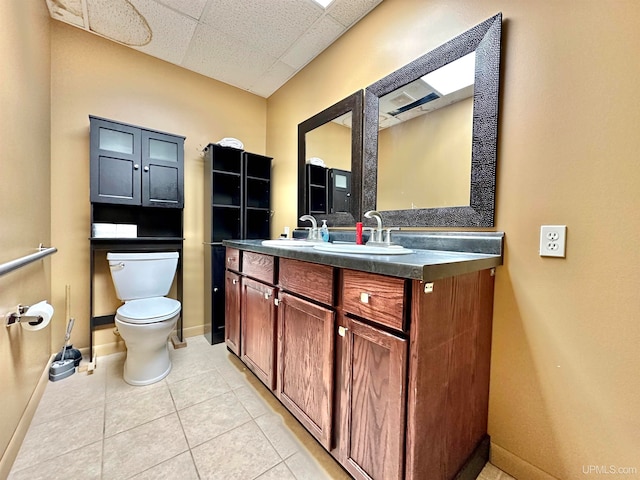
x: 426, y: 265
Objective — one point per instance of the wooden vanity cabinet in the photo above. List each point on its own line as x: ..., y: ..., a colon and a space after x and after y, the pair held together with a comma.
x: 372, y: 398
x: 258, y: 316
x: 391, y: 375
x: 232, y: 311
x: 258, y: 327
x: 371, y: 363
x: 306, y: 336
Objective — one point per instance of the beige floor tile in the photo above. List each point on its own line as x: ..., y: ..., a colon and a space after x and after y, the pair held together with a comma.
x: 277, y: 433
x: 198, y: 389
x: 136, y: 450
x: 56, y: 437
x: 254, y: 404
x: 188, y: 365
x: 279, y: 472
x: 133, y: 410
x: 209, y: 419
x: 117, y: 388
x: 304, y: 467
x: 243, y: 453
x: 74, y: 394
x: 179, y: 467
x: 84, y: 463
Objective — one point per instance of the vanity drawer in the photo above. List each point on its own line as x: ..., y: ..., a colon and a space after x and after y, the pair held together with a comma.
x: 258, y: 266
x: 233, y: 259
x: 307, y: 279
x: 378, y: 298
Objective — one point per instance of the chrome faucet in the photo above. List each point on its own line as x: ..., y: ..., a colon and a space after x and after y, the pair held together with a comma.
x: 376, y: 234
x: 313, y: 229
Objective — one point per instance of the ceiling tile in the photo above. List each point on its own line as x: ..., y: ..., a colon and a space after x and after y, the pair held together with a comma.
x: 272, y: 79
x: 193, y: 8
x: 69, y: 11
x: 213, y: 54
x: 348, y: 12
x: 171, y: 31
x: 322, y: 34
x: 270, y: 26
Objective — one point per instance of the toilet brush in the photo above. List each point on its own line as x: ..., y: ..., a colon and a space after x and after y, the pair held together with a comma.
x: 65, y: 366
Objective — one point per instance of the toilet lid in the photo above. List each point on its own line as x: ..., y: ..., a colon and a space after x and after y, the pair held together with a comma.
x: 148, y: 310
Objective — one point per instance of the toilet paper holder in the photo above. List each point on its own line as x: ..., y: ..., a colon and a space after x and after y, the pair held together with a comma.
x: 13, y: 318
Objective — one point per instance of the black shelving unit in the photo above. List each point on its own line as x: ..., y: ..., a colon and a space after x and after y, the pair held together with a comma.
x: 316, y: 179
x: 237, y: 197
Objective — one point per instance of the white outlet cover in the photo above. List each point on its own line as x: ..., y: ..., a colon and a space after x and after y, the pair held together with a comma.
x: 553, y: 240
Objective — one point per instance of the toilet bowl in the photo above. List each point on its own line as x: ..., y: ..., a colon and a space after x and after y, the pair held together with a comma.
x: 147, y: 318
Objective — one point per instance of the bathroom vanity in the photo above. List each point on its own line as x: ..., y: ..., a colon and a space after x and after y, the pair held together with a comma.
x: 383, y: 358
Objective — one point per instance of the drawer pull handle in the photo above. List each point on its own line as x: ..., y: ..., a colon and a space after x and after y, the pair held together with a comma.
x: 364, y: 297
x: 230, y: 259
x: 342, y: 331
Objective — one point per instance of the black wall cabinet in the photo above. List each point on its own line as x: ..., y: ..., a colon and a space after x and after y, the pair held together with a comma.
x: 135, y: 166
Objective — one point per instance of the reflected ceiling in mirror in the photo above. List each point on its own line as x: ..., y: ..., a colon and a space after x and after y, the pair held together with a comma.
x: 430, y: 145
x: 329, y: 163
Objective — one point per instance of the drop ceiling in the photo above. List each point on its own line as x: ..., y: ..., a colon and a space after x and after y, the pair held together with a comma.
x: 255, y: 45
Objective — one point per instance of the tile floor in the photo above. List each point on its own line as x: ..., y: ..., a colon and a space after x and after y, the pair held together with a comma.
x: 208, y: 419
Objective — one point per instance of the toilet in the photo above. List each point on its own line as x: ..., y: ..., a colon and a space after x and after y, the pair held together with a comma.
x: 147, y: 318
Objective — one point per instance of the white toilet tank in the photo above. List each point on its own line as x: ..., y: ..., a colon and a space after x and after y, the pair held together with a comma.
x: 142, y: 275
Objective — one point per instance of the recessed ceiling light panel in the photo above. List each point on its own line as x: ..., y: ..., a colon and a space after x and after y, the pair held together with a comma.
x: 324, y: 3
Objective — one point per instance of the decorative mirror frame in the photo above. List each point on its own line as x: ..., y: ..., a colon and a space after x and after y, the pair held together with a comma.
x: 354, y: 103
x: 485, y: 40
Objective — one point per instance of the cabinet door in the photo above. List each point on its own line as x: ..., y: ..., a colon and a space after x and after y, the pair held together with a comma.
x: 162, y: 170
x: 372, y: 401
x: 115, y: 163
x: 232, y: 312
x: 258, y: 326
x: 305, y: 363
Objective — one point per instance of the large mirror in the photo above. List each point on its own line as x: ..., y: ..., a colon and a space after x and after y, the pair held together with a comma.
x: 330, y: 163
x: 430, y: 134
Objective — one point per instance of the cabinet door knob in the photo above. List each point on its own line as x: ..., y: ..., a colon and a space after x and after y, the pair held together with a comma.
x: 136, y: 166
x: 215, y: 289
x: 234, y: 281
x: 364, y: 297
x: 267, y: 295
x: 342, y: 331
x: 146, y: 169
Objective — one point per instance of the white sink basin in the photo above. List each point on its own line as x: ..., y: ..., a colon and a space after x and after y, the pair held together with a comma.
x: 288, y: 243
x: 361, y: 249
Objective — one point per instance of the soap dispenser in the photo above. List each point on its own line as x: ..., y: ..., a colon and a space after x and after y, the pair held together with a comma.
x: 324, y: 231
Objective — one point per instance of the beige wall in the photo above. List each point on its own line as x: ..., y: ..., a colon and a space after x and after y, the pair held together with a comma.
x: 565, y: 392
x: 24, y: 209
x: 90, y: 75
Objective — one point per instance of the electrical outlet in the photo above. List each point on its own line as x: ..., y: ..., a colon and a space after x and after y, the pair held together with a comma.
x: 553, y: 240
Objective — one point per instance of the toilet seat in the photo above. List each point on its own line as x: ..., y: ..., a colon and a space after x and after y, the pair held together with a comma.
x: 148, y: 310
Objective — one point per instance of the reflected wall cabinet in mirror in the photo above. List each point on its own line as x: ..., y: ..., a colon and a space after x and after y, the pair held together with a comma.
x: 430, y: 135
x: 330, y: 163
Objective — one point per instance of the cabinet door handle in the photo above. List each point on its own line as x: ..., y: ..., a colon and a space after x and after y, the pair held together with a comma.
x: 215, y: 289
x: 267, y: 295
x: 364, y: 297
x: 136, y: 166
x: 229, y: 259
x: 234, y: 281
x: 146, y: 169
x: 342, y: 331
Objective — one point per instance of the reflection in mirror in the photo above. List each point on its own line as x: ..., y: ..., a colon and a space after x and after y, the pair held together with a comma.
x: 328, y: 167
x: 425, y: 128
x: 330, y: 161
x: 431, y: 132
